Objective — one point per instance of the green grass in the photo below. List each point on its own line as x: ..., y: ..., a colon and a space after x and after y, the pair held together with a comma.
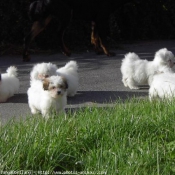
x: 135, y: 137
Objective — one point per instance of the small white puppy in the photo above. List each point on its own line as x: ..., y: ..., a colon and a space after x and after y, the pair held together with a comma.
x: 70, y: 72
x: 9, y: 84
x: 43, y: 70
x: 136, y: 71
x: 51, y: 93
x: 162, y: 86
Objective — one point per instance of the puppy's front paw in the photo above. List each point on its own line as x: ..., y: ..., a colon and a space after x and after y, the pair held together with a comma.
x: 34, y: 111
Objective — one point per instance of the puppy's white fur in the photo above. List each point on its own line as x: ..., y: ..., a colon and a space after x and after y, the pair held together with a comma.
x: 51, y: 93
x: 43, y: 70
x: 9, y: 84
x: 162, y: 86
x: 136, y: 71
x: 70, y: 72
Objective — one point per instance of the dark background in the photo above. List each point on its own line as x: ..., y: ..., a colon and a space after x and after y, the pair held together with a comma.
x: 128, y: 21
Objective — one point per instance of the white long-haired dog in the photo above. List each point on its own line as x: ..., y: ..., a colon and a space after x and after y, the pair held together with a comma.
x: 70, y: 71
x: 43, y: 70
x: 9, y: 84
x: 51, y: 93
x: 136, y: 71
x: 162, y: 86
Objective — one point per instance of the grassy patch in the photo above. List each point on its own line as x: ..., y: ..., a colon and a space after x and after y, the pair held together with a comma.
x: 135, y: 137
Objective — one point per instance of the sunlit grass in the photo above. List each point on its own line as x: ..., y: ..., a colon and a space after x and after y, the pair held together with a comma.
x: 135, y: 137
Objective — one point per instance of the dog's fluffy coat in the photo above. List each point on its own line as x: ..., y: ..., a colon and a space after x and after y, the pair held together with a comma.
x: 9, y: 84
x: 136, y: 71
x: 43, y: 70
x: 70, y: 72
x: 162, y: 86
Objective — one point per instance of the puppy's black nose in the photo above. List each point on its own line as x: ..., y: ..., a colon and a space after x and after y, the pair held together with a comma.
x: 58, y: 92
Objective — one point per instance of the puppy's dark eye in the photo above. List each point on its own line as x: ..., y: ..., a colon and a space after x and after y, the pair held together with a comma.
x: 53, y: 87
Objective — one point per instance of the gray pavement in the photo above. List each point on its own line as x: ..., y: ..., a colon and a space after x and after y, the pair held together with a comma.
x: 100, y: 77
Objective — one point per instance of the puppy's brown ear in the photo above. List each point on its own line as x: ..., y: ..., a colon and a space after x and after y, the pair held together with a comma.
x: 45, y: 84
x: 65, y: 82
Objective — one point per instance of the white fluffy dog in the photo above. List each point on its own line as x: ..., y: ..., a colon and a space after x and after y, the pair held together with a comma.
x: 162, y: 86
x: 69, y: 71
x: 9, y: 84
x: 43, y: 70
x: 51, y: 93
x: 136, y: 71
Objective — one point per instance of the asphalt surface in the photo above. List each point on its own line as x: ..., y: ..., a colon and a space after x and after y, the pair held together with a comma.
x: 99, y: 77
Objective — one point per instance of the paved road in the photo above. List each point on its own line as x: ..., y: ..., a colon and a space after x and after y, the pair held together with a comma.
x: 100, y: 77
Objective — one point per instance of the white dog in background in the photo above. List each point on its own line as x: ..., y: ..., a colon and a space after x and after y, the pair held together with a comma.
x: 43, y: 70
x: 136, y: 71
x: 69, y: 71
x: 51, y: 93
x: 9, y: 84
x: 162, y: 86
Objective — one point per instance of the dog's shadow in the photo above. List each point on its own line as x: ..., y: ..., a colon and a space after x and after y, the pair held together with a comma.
x: 143, y: 87
x: 102, y: 97
x: 18, y: 98
x: 83, y: 97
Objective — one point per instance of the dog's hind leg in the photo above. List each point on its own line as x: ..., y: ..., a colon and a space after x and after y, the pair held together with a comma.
x: 64, y: 23
x: 101, y: 25
x: 27, y: 40
x: 124, y: 80
x: 97, y: 41
x: 131, y: 84
x: 95, y: 38
x: 37, y: 27
x: 63, y: 46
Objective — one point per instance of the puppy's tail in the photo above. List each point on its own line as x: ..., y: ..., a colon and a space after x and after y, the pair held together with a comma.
x: 12, y: 71
x: 131, y: 56
x: 72, y: 65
